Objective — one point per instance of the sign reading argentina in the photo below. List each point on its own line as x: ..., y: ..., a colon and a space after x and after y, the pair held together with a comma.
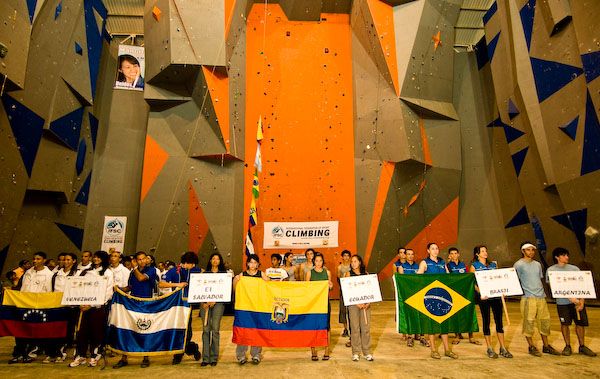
x: 210, y: 287
x: 300, y: 235
x: 497, y: 283
x: 85, y: 290
x: 360, y: 289
x: 572, y: 284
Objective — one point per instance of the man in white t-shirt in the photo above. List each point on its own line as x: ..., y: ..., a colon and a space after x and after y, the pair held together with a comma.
x: 120, y: 272
x: 86, y: 260
x: 276, y: 272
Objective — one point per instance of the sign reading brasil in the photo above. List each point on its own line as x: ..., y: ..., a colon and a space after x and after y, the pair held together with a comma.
x: 497, y: 283
x: 300, y: 235
x: 572, y: 284
x: 433, y: 304
x: 210, y: 287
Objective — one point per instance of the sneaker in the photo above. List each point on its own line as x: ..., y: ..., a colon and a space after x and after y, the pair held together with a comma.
x: 410, y: 342
x: 120, y: 363
x: 213, y: 364
x: 197, y: 355
x: 255, y: 360
x: 424, y: 341
x: 48, y: 359
x: 145, y: 362
x: 15, y: 360
x: 345, y: 333
x: 505, y: 353
x: 61, y: 358
x: 28, y: 360
x: 242, y: 361
x: 93, y: 362
x: 204, y: 364
x: 79, y: 360
x: 369, y: 357
x: 550, y: 350
x: 435, y: 355
x: 534, y: 351
x: 567, y: 350
x: 586, y: 351
x: 33, y: 353
x: 451, y: 354
x: 176, y: 359
x: 491, y: 353
x: 355, y: 357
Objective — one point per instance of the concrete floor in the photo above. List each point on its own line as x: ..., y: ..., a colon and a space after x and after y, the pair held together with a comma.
x: 393, y: 359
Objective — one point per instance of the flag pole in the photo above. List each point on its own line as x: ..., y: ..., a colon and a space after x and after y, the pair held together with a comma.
x: 505, y: 310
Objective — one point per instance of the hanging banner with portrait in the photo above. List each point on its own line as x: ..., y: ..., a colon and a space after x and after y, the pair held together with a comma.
x: 130, y: 68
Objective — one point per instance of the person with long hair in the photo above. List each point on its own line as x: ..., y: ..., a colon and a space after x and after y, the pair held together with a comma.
x: 317, y: 273
x: 360, y: 316
x: 433, y: 264
x: 482, y: 263
x: 252, y: 271
x: 94, y: 318
x: 305, y: 267
x: 211, y: 330
x: 59, y: 281
x: 129, y: 73
x: 179, y: 277
x: 290, y: 268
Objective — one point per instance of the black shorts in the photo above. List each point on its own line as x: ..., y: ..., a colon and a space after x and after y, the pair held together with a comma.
x: 567, y: 314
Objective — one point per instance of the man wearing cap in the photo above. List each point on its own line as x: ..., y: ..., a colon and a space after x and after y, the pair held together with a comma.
x: 534, y: 308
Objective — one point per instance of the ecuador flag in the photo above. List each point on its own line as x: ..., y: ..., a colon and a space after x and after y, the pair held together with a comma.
x: 280, y: 314
x: 33, y: 315
x: 432, y: 304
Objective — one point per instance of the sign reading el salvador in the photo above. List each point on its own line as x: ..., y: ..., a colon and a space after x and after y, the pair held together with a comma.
x: 280, y: 314
x: 210, y: 287
x: 435, y: 303
x: 300, y: 235
x: 85, y: 290
x: 497, y: 283
x: 360, y: 289
x: 572, y: 284
x: 148, y: 326
x: 113, y: 235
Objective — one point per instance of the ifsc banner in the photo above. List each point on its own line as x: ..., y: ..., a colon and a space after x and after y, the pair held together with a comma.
x: 300, y: 235
x: 434, y: 304
x: 113, y: 234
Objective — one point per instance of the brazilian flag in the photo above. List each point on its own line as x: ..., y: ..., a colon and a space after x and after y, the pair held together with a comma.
x: 437, y: 303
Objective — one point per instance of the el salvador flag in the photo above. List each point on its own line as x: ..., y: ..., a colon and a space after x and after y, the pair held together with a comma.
x: 148, y: 326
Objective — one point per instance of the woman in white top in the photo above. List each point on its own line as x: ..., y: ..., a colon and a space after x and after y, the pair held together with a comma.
x: 94, y: 318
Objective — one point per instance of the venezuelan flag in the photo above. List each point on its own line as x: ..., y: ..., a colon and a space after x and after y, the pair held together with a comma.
x: 280, y: 314
x: 33, y: 315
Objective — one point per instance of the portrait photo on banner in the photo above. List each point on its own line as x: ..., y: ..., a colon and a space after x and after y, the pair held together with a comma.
x: 130, y: 68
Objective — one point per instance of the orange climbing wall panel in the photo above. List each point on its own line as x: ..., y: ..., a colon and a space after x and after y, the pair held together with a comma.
x: 299, y: 80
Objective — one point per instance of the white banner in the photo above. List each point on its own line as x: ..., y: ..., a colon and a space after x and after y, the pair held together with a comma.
x: 300, y: 235
x: 210, y: 288
x: 85, y: 290
x: 497, y: 283
x: 360, y: 289
x: 113, y: 234
x: 130, y: 68
x: 572, y: 284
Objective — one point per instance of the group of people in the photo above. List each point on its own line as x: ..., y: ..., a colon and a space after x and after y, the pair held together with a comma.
x: 533, y: 306
x: 143, y: 280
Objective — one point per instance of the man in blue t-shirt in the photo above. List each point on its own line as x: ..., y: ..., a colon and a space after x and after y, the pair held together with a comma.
x: 141, y: 283
x: 456, y: 266
x: 570, y: 310
x: 179, y: 277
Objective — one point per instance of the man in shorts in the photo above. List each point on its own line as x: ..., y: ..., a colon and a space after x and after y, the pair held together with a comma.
x: 534, y: 308
x: 568, y: 309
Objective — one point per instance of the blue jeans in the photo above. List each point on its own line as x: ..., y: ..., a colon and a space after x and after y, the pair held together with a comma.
x: 211, y: 332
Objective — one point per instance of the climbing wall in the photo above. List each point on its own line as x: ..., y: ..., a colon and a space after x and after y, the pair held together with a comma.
x: 544, y: 59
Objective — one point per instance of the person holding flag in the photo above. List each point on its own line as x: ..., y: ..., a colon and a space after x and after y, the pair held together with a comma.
x: 320, y: 272
x: 433, y: 264
x: 456, y: 266
x: 410, y: 267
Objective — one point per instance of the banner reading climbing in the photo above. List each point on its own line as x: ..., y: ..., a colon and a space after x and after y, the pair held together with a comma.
x: 433, y: 304
x: 280, y: 314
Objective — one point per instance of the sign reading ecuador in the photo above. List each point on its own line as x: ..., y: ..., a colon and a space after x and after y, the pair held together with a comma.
x: 300, y: 235
x: 280, y: 314
x: 360, y: 289
x: 210, y: 287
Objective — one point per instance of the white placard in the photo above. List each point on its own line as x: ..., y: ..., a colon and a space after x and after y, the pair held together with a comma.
x: 497, y: 283
x: 572, y: 284
x: 210, y: 288
x: 113, y: 234
x: 360, y: 289
x: 85, y: 290
x: 300, y: 235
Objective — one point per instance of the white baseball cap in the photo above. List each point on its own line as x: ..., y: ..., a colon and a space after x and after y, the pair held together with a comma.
x: 528, y: 245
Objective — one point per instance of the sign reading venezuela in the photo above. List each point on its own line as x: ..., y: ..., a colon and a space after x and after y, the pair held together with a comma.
x: 280, y: 314
x: 433, y: 304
